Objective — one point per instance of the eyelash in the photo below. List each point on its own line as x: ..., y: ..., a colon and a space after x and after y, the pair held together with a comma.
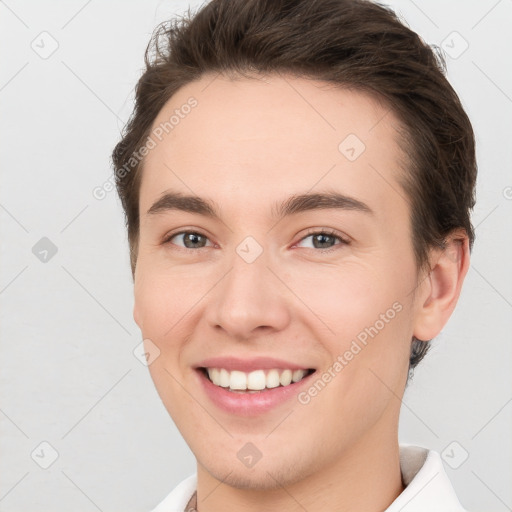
x: 312, y: 232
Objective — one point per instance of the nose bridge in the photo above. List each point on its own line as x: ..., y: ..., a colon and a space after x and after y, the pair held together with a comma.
x: 249, y: 296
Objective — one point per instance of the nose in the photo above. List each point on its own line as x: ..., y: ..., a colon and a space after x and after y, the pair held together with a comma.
x: 250, y: 298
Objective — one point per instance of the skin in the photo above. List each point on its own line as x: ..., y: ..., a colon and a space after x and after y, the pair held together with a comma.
x: 247, y: 144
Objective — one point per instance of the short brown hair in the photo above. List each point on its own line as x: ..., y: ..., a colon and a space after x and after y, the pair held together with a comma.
x: 351, y: 43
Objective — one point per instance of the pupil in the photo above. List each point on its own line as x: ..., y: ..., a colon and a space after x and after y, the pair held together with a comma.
x: 192, y: 237
x: 322, y: 236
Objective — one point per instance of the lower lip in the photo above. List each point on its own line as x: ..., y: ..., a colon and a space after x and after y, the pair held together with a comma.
x: 250, y: 404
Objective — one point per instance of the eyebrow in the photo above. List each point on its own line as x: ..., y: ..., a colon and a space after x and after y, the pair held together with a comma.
x: 297, y: 203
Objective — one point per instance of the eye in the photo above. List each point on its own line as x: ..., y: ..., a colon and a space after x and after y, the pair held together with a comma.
x: 190, y: 239
x: 325, y: 240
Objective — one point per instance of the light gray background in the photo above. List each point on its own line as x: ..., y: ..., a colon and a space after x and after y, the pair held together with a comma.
x: 68, y: 373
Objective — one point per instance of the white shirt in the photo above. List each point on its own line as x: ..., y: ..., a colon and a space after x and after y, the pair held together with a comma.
x: 427, y: 488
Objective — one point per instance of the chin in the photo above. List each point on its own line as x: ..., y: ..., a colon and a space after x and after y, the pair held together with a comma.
x: 261, y: 477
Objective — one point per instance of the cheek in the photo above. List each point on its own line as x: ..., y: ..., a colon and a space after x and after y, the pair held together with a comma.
x: 365, y: 316
x: 163, y: 301
x: 163, y: 298
x: 346, y: 298
x: 368, y: 365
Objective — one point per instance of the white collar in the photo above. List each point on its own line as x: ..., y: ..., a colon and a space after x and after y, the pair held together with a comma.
x: 428, y: 487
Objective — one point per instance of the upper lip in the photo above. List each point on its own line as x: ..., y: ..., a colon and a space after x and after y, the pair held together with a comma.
x: 231, y: 363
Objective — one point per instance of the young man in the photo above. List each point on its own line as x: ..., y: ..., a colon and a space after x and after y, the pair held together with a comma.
x: 297, y: 179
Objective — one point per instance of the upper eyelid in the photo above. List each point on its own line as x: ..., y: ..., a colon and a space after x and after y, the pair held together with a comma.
x: 326, y: 231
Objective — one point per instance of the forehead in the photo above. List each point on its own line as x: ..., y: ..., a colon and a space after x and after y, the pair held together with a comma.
x: 251, y: 141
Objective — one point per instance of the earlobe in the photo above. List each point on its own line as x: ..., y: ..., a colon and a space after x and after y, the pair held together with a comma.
x: 449, y: 267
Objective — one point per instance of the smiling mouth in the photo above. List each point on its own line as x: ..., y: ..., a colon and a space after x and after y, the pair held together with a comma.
x: 256, y: 381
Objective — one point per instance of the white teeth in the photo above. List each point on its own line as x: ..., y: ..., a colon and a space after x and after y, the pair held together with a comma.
x: 273, y: 379
x: 255, y: 380
x: 238, y: 380
x: 297, y: 375
x: 286, y: 378
x: 213, y: 373
x: 224, y: 378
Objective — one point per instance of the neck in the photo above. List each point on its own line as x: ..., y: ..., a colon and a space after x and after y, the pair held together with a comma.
x: 366, y: 476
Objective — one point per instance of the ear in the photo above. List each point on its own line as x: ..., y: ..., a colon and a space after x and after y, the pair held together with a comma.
x: 440, y: 290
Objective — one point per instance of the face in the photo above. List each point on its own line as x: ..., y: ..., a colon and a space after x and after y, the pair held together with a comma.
x: 261, y: 284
